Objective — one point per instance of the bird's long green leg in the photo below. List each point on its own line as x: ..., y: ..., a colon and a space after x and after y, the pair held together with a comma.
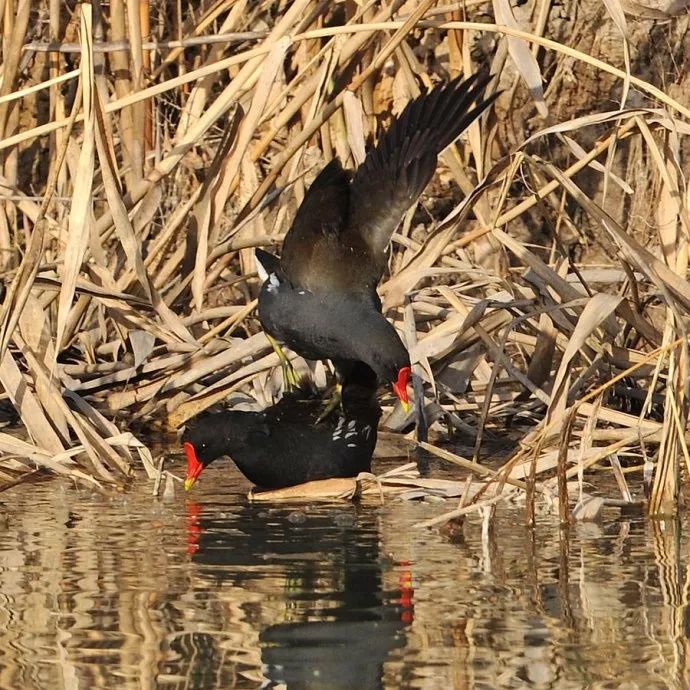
x: 332, y: 404
x: 290, y: 377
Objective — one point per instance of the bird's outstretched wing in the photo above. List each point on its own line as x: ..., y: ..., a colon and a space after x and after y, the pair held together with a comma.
x: 397, y: 170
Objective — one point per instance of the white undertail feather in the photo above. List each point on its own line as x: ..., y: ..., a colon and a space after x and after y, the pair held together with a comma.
x: 273, y: 283
x: 260, y: 269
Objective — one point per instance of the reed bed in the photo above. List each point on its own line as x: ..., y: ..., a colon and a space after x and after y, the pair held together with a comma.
x: 147, y: 147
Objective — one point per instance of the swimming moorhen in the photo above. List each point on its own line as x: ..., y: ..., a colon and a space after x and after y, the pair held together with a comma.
x: 320, y: 297
x: 286, y: 444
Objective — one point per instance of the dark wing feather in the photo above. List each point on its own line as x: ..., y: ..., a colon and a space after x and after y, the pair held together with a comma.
x: 320, y: 219
x: 397, y: 170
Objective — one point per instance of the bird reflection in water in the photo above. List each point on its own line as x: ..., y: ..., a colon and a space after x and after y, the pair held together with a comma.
x: 339, y: 623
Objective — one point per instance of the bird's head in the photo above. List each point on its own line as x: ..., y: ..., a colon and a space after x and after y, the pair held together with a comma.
x: 391, y: 362
x: 203, y: 442
x: 396, y: 374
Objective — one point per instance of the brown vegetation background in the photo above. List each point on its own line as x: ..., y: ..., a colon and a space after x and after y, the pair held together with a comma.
x: 147, y: 147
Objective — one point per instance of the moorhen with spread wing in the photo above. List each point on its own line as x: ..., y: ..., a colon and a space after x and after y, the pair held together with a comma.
x: 320, y: 297
x: 287, y: 444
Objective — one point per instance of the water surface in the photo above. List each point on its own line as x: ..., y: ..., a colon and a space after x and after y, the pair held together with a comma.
x: 210, y: 591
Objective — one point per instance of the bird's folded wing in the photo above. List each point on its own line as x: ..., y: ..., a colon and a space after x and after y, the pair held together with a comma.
x: 319, y: 221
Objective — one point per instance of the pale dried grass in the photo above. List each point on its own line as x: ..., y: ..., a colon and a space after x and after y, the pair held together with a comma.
x: 136, y: 186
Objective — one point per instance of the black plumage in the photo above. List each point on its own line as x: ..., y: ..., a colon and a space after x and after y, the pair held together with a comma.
x: 320, y: 297
x: 340, y: 234
x: 286, y: 444
x: 340, y: 324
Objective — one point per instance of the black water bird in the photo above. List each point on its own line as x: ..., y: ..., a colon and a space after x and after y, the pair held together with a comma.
x: 288, y: 444
x: 320, y: 297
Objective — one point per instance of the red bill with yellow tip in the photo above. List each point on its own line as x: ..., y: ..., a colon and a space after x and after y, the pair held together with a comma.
x: 400, y: 387
x: 194, y: 467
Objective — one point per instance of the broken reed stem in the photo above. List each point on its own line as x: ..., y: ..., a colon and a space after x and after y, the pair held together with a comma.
x: 465, y: 510
x: 124, y: 45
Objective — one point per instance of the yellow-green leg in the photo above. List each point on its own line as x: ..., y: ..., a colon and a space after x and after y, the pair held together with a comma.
x: 333, y: 403
x: 290, y: 376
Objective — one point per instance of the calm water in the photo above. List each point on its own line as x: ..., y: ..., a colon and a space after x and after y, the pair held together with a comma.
x: 212, y: 592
